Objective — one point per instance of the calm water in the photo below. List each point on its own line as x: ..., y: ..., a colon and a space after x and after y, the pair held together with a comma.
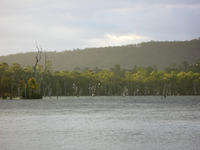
x: 101, y: 123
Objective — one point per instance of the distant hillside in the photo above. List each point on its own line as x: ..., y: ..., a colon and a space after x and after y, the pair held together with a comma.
x: 160, y: 54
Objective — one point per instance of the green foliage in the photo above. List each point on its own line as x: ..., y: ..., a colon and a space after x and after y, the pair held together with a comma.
x: 30, y: 90
x: 16, y: 81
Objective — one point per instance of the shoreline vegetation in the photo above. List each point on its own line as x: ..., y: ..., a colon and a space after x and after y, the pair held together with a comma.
x: 40, y: 81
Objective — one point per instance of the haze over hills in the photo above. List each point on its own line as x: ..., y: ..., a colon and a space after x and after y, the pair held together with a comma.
x: 153, y: 53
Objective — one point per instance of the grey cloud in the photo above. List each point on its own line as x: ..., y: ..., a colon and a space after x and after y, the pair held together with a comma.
x: 70, y: 24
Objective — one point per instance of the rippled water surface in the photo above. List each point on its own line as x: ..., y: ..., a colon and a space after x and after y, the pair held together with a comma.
x: 101, y: 123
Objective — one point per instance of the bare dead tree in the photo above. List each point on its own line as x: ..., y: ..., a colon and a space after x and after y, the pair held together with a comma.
x: 45, y: 61
x: 37, y: 59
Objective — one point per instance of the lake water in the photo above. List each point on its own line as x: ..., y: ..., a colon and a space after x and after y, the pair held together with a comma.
x: 101, y: 123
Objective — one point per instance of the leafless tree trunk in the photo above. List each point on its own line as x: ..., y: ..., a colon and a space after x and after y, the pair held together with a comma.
x: 45, y: 61
x: 37, y: 59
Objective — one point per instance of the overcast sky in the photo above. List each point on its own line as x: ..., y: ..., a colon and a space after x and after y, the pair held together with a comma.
x: 68, y: 24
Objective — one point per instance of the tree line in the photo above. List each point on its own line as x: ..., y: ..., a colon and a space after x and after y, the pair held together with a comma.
x: 26, y: 82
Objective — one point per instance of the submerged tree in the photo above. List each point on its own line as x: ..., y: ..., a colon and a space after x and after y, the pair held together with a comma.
x: 17, y: 81
x: 31, y: 89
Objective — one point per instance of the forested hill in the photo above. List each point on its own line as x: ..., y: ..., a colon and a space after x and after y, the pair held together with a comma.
x: 154, y: 53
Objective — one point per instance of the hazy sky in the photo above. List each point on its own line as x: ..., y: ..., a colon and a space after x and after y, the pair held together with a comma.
x: 67, y: 24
